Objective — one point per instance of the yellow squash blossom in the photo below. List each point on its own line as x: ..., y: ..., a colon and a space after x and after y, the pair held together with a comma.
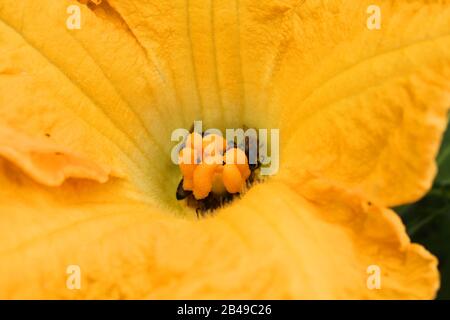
x: 85, y: 121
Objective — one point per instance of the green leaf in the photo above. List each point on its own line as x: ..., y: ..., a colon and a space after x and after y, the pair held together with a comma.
x: 443, y: 161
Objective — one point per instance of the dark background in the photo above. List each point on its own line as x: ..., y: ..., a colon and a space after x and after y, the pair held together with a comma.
x: 428, y: 220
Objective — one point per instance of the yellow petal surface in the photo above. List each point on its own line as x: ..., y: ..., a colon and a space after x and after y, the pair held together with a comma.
x: 315, y: 248
x: 362, y: 107
x: 90, y: 89
x: 356, y: 109
x: 47, y: 163
x: 354, y: 105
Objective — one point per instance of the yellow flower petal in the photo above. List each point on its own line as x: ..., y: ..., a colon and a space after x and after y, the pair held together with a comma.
x: 353, y: 105
x: 356, y: 107
x: 90, y: 89
x: 318, y: 248
x: 45, y: 162
x: 362, y: 107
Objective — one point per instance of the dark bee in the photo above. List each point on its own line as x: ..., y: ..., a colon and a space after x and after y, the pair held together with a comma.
x: 210, y: 203
x: 214, y: 201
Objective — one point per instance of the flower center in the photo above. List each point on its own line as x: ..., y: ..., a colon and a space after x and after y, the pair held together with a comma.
x: 215, y: 171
